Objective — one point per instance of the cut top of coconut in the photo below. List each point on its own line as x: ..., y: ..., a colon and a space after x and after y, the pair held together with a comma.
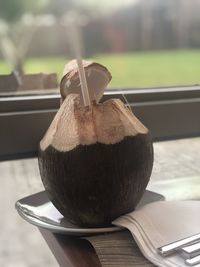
x: 106, y: 123
x: 97, y: 77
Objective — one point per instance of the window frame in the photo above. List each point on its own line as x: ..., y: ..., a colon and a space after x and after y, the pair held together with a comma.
x: 169, y: 113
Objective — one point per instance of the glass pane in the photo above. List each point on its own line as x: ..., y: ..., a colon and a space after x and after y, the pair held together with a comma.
x: 143, y: 43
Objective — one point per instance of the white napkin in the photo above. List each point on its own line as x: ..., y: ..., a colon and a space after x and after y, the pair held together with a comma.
x: 160, y: 223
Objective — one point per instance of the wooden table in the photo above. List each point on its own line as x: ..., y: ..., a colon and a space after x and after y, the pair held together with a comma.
x: 71, y: 251
x: 113, y: 249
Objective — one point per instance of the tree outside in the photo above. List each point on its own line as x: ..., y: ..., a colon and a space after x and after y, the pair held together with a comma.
x: 116, y: 33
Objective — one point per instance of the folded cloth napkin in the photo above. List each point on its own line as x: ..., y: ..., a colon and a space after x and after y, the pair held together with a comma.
x: 160, y: 223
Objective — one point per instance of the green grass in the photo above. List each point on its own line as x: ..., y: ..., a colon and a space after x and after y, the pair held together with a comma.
x: 134, y: 69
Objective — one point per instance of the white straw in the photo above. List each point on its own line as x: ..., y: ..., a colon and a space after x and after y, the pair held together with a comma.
x: 84, y: 87
x: 76, y: 45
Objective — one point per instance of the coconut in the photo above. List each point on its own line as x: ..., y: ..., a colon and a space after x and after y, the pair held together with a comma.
x: 97, y: 77
x: 95, y: 161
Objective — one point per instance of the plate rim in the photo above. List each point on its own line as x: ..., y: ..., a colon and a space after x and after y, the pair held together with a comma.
x: 66, y: 230
x: 69, y: 231
x: 61, y: 229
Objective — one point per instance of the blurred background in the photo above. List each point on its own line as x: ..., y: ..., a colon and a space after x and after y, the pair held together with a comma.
x: 143, y: 43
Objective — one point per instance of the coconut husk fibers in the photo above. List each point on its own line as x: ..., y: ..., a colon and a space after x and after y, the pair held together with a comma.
x: 95, y: 162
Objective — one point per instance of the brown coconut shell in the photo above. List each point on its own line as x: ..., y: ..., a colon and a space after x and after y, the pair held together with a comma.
x: 95, y: 162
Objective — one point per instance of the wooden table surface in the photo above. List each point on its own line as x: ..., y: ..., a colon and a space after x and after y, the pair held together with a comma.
x: 70, y: 251
x: 117, y: 249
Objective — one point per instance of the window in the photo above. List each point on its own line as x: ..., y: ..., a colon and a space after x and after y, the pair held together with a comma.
x: 151, y: 48
x: 167, y: 112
